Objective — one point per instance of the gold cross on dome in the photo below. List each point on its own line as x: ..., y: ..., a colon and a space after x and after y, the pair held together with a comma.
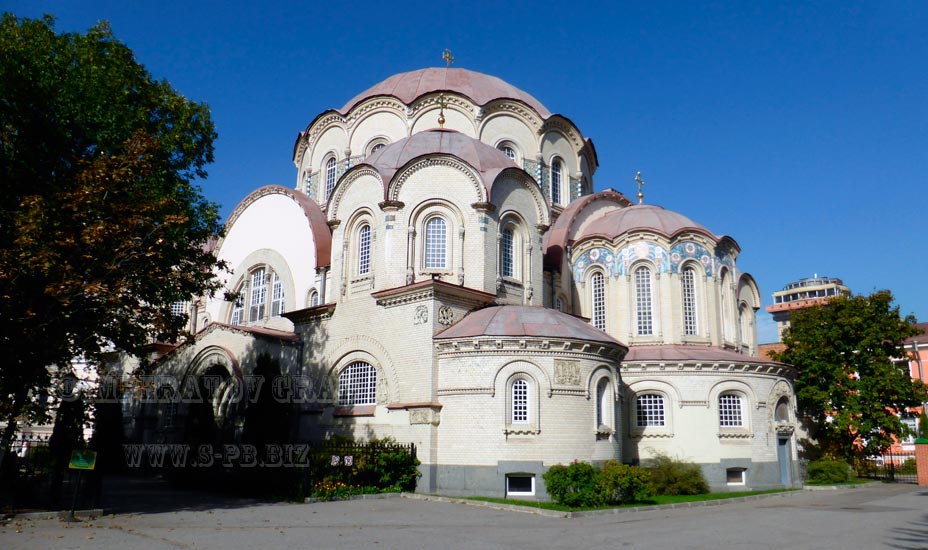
x: 640, y: 183
x: 449, y: 59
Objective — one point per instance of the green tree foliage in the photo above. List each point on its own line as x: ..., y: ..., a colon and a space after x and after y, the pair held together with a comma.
x: 101, y: 223
x: 850, y: 383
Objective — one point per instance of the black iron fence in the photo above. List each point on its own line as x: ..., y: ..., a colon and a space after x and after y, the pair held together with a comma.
x: 891, y: 466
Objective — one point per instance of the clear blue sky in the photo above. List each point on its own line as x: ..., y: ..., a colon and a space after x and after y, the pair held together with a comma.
x: 800, y: 129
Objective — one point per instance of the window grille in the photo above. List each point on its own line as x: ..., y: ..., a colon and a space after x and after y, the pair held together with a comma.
x: 364, y: 250
x: 689, y: 302
x: 510, y: 152
x: 436, y: 241
x: 519, y: 401
x: 238, y: 308
x: 314, y: 299
x: 643, y: 301
x: 357, y: 384
x: 556, y: 168
x: 730, y: 411
x: 179, y: 309
x: 599, y: 301
x: 330, y: 167
x: 650, y: 410
x: 508, y: 268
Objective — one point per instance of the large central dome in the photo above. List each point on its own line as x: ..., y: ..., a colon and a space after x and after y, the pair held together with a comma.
x: 479, y: 87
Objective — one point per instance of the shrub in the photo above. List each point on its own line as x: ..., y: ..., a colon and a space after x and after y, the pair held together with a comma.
x: 826, y: 471
x: 622, y: 483
x: 576, y: 485
x: 670, y: 476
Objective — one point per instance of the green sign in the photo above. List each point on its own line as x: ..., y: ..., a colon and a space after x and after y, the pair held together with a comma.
x: 82, y: 460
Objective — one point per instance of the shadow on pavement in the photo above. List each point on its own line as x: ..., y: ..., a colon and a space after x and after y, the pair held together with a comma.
x: 151, y: 495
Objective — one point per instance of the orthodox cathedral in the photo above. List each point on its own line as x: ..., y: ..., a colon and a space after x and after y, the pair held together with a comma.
x: 442, y: 273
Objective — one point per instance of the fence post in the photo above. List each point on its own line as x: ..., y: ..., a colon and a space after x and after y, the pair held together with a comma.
x: 921, y: 460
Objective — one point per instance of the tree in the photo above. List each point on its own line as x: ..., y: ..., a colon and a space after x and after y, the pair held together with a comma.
x: 101, y: 224
x: 850, y: 384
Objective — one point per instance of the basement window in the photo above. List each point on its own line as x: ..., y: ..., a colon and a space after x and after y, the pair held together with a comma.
x: 520, y: 485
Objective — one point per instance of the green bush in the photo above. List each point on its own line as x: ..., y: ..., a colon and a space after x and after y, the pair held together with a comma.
x: 670, y: 476
x: 621, y: 483
x: 582, y: 485
x: 825, y: 471
x: 576, y: 485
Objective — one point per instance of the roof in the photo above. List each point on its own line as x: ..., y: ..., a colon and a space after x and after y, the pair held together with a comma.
x: 487, y: 161
x: 921, y: 338
x: 480, y: 88
x: 322, y: 235
x: 642, y: 217
x: 683, y: 353
x: 525, y: 321
x: 560, y: 235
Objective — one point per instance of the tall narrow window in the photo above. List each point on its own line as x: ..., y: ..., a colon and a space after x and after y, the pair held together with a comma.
x: 598, y: 284
x: 519, y: 401
x: 238, y: 309
x: 644, y: 321
x: 730, y: 411
x: 650, y: 410
x: 507, y: 256
x: 602, y: 403
x: 329, y: 177
x: 690, y: 327
x: 314, y: 299
x: 557, y: 176
x: 364, y: 250
x: 559, y: 304
x: 277, y: 297
x: 436, y: 242
x: 357, y: 384
x: 258, y: 295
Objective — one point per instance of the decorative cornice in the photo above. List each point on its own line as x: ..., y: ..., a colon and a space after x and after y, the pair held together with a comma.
x: 346, y: 180
x: 310, y: 314
x: 391, y: 205
x: 492, y: 345
x: 564, y: 127
x: 483, y: 206
x: 511, y: 107
x: 433, y: 289
x: 736, y: 435
x: 707, y: 368
x: 466, y: 391
x: 420, y: 405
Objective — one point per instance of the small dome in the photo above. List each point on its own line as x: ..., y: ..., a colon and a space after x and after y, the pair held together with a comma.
x: 488, y: 161
x: 527, y: 321
x: 479, y: 87
x: 642, y: 217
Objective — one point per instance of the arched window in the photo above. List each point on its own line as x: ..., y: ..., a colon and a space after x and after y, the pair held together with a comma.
x: 649, y: 410
x: 509, y: 149
x: 277, y: 297
x: 314, y: 299
x: 557, y: 177
x: 364, y: 250
x: 644, y: 321
x: 688, y: 282
x: 603, y: 418
x: 238, y: 309
x: 377, y: 148
x: 559, y: 304
x: 598, y: 289
x: 731, y: 410
x: 507, y: 253
x: 519, y: 402
x: 436, y: 243
x: 330, y: 171
x: 357, y: 384
x: 258, y: 295
x: 781, y: 412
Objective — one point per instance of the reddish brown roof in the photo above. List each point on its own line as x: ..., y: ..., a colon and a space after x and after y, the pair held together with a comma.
x: 560, y: 234
x: 642, y: 217
x: 525, y: 321
x: 480, y: 88
x: 488, y: 161
x: 920, y: 338
x: 682, y: 353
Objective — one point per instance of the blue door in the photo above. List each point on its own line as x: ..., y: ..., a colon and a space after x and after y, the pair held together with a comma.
x: 785, y: 458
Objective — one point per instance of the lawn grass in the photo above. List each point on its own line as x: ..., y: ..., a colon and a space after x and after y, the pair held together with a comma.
x: 662, y: 499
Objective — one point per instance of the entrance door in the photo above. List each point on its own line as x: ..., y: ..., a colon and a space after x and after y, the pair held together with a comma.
x: 785, y: 458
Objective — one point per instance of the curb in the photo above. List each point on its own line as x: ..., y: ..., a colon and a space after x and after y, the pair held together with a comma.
x: 376, y: 496
x: 92, y: 513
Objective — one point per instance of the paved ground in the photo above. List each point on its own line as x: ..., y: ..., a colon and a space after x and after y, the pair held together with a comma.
x: 872, y: 516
